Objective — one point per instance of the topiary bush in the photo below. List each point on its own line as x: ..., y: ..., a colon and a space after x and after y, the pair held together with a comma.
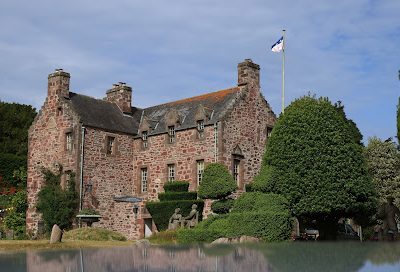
x: 257, y: 201
x: 222, y: 206
x: 176, y: 186
x: 267, y: 225
x: 162, y: 211
x: 217, y: 182
x: 196, y: 235
x: 167, y: 196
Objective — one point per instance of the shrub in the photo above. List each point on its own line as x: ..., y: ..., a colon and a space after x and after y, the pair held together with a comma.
x: 257, y: 201
x: 217, y: 182
x: 222, y: 206
x: 162, y: 211
x: 196, y: 235
x: 249, y: 187
x: 93, y: 234
x: 16, y: 218
x: 267, y: 225
x: 88, y: 212
x: 176, y: 186
x: 221, y: 225
x: 177, y: 196
x: 57, y: 206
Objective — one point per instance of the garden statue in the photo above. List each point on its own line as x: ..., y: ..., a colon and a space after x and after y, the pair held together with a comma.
x: 388, y: 213
x: 176, y: 220
x: 193, y: 218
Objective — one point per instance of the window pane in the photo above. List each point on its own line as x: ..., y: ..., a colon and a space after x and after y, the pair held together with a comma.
x: 200, y: 170
x: 171, y: 134
x: 68, y: 141
x: 110, y: 145
x: 171, y: 172
x: 144, y: 179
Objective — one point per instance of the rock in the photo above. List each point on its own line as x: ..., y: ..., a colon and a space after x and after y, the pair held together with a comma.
x: 56, y: 235
x: 241, y: 239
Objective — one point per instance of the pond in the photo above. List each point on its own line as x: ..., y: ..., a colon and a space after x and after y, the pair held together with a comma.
x: 298, y: 256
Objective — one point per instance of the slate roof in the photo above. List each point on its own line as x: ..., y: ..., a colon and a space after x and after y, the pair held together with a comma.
x: 215, y: 103
x: 106, y: 115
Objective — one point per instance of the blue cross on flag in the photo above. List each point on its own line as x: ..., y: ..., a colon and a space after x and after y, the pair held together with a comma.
x: 278, y: 46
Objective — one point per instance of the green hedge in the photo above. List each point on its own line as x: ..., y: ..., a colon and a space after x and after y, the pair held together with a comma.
x: 257, y: 201
x: 162, y: 211
x: 176, y: 186
x: 269, y: 226
x: 217, y: 182
x: 222, y: 206
x: 196, y: 235
x: 9, y: 163
x: 168, y: 196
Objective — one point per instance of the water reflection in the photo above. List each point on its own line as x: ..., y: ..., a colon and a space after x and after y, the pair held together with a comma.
x: 257, y: 257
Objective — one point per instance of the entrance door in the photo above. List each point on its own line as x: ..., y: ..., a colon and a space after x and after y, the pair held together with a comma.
x: 148, y: 223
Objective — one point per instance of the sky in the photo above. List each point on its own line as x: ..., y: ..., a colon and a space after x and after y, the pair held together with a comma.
x: 348, y: 51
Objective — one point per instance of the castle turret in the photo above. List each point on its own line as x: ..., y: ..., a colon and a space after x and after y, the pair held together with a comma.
x: 121, y: 94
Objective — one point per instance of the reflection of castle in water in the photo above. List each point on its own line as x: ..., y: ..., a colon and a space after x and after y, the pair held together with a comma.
x: 148, y: 259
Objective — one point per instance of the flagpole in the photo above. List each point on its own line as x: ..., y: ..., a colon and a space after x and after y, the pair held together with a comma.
x: 283, y: 72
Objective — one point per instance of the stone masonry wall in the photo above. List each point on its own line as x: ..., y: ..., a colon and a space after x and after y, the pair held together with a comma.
x: 110, y: 175
x: 184, y: 153
x: 245, y: 127
x: 47, y: 148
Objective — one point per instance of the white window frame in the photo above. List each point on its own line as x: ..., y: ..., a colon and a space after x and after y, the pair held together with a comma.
x: 200, y: 128
x: 236, y: 170
x: 171, y: 172
x: 171, y: 134
x: 200, y: 171
x: 144, y: 179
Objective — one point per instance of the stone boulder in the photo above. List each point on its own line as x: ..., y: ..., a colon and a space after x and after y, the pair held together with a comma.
x: 56, y: 235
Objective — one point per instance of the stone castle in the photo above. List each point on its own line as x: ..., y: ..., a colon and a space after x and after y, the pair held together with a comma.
x: 122, y: 155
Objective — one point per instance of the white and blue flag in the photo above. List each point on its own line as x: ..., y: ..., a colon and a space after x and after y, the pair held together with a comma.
x: 278, y: 46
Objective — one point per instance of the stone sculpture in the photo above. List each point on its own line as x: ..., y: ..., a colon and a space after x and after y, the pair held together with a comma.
x: 192, y: 219
x: 176, y: 220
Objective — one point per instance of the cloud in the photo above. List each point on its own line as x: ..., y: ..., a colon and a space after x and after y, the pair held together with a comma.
x: 346, y: 50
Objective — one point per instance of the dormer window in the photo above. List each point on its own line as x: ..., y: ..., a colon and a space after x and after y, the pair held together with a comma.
x: 171, y: 134
x: 144, y: 139
x: 200, y: 128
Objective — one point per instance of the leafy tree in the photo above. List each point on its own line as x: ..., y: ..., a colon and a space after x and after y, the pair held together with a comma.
x: 14, y: 124
x: 16, y: 218
x: 315, y: 161
x: 383, y: 160
x: 217, y: 182
x: 58, y: 206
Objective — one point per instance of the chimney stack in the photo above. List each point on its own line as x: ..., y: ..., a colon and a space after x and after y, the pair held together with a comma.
x: 121, y: 94
x: 58, y: 84
x: 248, y: 72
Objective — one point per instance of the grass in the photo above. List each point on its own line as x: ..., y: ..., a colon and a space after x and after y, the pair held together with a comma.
x: 14, y: 245
x: 93, y: 234
x: 77, y: 238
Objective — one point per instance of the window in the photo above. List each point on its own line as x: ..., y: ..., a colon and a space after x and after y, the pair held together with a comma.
x: 110, y: 145
x: 200, y: 170
x: 200, y: 128
x: 68, y: 141
x: 269, y: 131
x: 171, y: 172
x: 144, y: 139
x: 171, y: 134
x: 143, y: 179
x: 236, y: 169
